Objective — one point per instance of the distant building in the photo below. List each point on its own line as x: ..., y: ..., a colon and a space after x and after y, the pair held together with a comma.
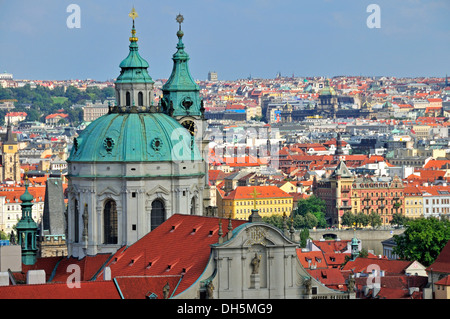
x: 15, y: 117
x: 93, y: 111
x: 53, y: 119
x: 212, y: 76
x: 6, y: 76
x: 271, y: 200
x: 10, y: 158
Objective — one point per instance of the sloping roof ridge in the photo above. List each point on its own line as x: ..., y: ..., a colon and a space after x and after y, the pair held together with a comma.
x: 149, y: 276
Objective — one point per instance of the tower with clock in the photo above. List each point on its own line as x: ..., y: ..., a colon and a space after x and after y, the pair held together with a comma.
x: 181, y: 100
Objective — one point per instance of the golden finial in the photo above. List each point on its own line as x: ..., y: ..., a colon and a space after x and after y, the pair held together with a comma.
x: 133, y: 15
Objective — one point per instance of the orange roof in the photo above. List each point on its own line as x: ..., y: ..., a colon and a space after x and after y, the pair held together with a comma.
x: 245, y: 192
x: 13, y: 194
x: 51, y: 116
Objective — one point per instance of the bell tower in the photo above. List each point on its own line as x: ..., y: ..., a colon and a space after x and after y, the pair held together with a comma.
x: 134, y: 86
x: 10, y: 157
x: 181, y: 100
x: 27, y: 229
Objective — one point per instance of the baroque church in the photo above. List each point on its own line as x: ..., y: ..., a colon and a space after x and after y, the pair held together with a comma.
x: 133, y: 168
x: 138, y: 221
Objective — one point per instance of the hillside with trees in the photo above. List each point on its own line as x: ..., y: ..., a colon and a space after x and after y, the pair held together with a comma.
x: 40, y: 101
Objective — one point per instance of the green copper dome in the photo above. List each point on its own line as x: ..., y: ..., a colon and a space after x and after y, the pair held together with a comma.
x: 327, y: 89
x: 134, y: 137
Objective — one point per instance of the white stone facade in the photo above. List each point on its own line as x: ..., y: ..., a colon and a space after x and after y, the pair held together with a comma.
x: 133, y: 187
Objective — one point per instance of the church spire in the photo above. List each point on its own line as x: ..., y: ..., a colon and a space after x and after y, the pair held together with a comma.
x: 27, y: 228
x: 180, y: 90
x: 134, y: 84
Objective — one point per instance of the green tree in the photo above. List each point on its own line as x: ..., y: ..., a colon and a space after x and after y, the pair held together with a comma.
x: 399, y: 220
x: 374, y: 220
x: 348, y: 219
x: 310, y: 205
x: 422, y: 240
x: 362, y: 219
x: 310, y: 221
x: 315, y: 207
x: 275, y: 220
x: 3, y: 235
x: 304, y: 235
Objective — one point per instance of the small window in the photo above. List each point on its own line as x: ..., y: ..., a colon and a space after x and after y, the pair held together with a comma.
x: 133, y: 194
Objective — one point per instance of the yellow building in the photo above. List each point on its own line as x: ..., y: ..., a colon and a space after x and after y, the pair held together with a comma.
x: 270, y: 200
x: 10, y: 158
x: 413, y: 202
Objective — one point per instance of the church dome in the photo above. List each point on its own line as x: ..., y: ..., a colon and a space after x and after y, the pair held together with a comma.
x: 134, y: 137
x: 327, y: 89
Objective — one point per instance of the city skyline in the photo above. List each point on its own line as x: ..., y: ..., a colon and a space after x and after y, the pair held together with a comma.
x: 257, y: 38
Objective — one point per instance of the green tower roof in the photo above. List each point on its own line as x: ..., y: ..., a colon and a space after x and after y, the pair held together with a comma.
x: 134, y: 67
x: 180, y: 79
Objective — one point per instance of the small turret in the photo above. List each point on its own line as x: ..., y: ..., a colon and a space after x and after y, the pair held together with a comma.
x: 27, y: 229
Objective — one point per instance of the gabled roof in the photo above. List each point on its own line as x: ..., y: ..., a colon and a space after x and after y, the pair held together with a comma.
x: 389, y: 266
x: 341, y: 170
x: 442, y: 262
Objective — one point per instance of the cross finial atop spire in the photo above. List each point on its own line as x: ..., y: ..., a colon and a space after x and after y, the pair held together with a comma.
x: 133, y: 14
x: 255, y: 195
x: 180, y: 19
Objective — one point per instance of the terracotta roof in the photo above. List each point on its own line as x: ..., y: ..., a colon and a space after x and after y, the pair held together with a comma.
x: 389, y: 266
x: 444, y: 281
x: 332, y: 246
x: 142, y: 287
x: 184, y: 250
x: 311, y: 259
x: 442, y: 262
x: 331, y: 277
x: 87, y: 290
x: 245, y: 192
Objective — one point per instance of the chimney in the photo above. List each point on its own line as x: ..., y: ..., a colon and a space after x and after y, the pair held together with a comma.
x: 107, y: 274
x: 4, y: 278
x: 36, y: 277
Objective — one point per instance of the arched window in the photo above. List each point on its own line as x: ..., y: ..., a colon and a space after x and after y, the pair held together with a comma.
x: 158, y: 214
x: 110, y: 222
x: 76, y: 217
x: 30, y: 241
x: 193, y: 206
x: 128, y: 99
x: 140, y: 99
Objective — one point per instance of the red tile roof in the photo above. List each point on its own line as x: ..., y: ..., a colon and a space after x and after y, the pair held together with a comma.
x: 89, y: 266
x: 389, y: 266
x: 86, y: 290
x: 245, y: 192
x: 184, y: 250
x: 442, y: 262
x: 330, y: 277
x: 141, y: 287
x: 444, y: 281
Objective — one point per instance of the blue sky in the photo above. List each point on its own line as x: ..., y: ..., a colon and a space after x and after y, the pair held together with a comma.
x: 234, y: 38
